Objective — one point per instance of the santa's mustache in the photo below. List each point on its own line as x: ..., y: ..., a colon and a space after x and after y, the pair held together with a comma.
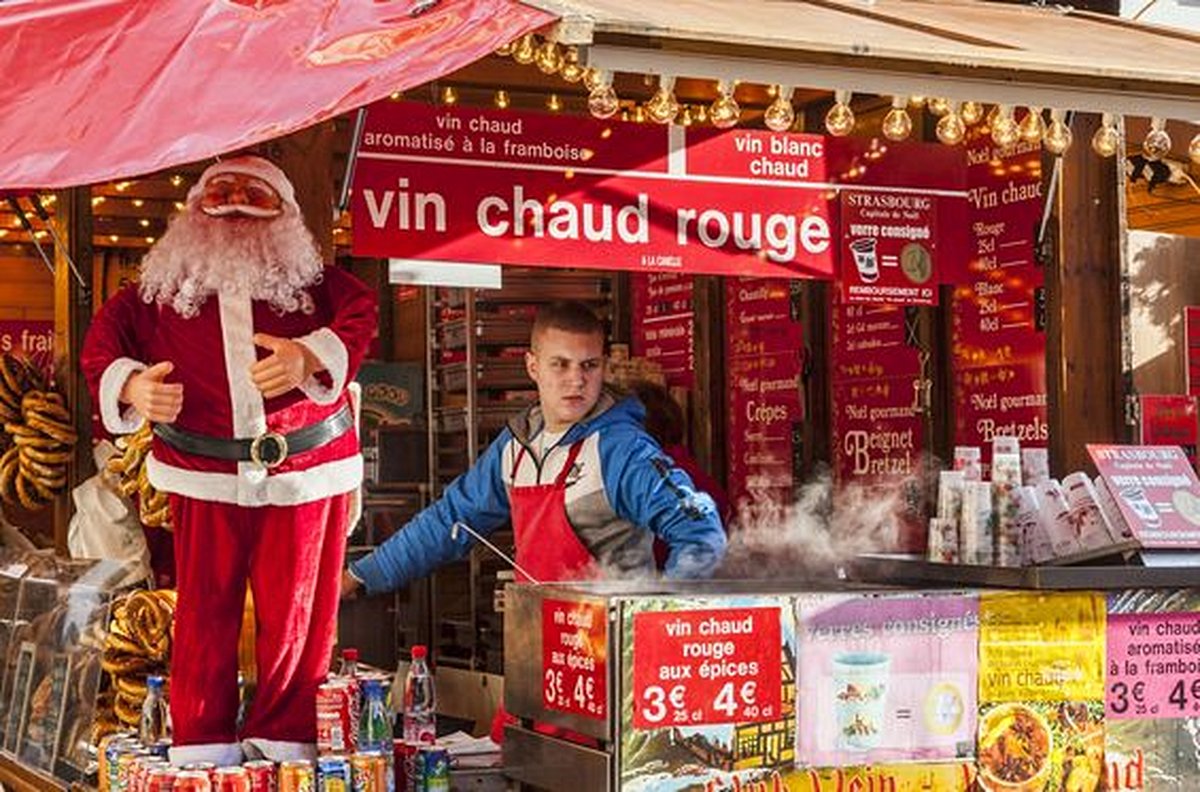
x: 225, y: 210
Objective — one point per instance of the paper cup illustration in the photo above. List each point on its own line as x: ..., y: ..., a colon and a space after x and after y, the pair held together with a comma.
x: 1136, y: 498
x: 865, y: 259
x: 860, y: 684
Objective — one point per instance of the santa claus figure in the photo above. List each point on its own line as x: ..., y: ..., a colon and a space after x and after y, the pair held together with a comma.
x: 237, y: 344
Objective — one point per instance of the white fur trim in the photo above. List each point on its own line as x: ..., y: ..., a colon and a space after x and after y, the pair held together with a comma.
x: 280, y: 750
x: 220, y: 754
x: 237, y: 336
x: 112, y: 382
x: 258, y: 487
x: 330, y: 350
x: 249, y: 165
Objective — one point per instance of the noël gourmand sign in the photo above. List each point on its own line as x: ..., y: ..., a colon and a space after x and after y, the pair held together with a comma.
x: 477, y: 185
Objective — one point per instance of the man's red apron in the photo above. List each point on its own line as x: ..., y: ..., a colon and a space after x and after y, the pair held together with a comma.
x: 547, y: 548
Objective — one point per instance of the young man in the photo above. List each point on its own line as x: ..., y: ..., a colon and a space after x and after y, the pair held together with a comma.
x: 237, y: 344
x: 586, y: 488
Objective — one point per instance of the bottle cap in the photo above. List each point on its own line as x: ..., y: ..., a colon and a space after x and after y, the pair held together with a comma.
x: 154, y: 682
x: 350, y: 654
x: 419, y: 652
x: 372, y: 685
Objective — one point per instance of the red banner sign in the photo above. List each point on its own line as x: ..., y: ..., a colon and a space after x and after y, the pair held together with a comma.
x: 1170, y: 420
x: 664, y: 324
x: 1191, y: 332
x: 469, y: 184
x: 1156, y: 490
x: 704, y: 667
x: 888, y: 244
x: 763, y: 351
x: 574, y: 657
x: 998, y: 316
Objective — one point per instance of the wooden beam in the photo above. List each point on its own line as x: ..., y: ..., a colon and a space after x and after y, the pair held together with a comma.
x: 73, y: 307
x: 709, y: 408
x: 307, y: 159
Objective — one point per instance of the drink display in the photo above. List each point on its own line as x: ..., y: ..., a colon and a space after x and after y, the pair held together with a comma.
x: 420, y: 700
x: 375, y: 723
x: 155, y: 728
x: 296, y: 776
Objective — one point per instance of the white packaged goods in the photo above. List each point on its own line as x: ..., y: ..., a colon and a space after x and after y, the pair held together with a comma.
x: 969, y: 460
x: 1006, y: 478
x: 1090, y: 524
x: 1035, y: 466
x: 943, y: 541
x: 1115, y: 518
x: 976, y: 534
x: 950, y: 495
x: 1056, y: 517
x: 1036, y: 547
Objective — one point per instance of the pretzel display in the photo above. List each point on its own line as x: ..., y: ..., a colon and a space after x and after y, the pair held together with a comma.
x: 138, y: 645
x: 41, y: 438
x: 129, y: 466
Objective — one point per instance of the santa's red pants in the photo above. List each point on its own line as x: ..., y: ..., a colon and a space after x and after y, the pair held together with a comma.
x: 292, y: 557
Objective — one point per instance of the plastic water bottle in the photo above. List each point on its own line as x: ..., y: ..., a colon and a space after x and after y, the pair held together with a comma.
x: 375, y: 723
x: 155, y: 726
x: 349, y: 663
x: 420, y: 700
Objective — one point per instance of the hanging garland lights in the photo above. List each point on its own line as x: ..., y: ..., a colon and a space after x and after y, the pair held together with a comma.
x: 953, y: 118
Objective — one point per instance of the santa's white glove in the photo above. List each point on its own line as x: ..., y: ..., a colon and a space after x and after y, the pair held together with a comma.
x: 289, y: 364
x: 154, y: 400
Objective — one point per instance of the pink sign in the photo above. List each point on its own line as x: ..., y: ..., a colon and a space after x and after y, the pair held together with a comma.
x: 1156, y: 490
x: 1153, y: 672
x: 664, y: 324
x: 1169, y: 419
x: 30, y: 339
x: 575, y: 657
x: 889, y: 242
x: 764, y: 346
x: 1191, y: 332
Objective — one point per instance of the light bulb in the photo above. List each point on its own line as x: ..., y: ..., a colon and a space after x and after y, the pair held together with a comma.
x: 701, y: 114
x: 548, y: 58
x: 504, y: 50
x: 916, y: 100
x: 1194, y: 149
x: 572, y: 71
x: 685, y: 117
x: 896, y: 124
x: 502, y: 99
x: 1157, y: 143
x: 449, y: 95
x: 1005, y: 131
x: 663, y: 106
x: 1107, y: 140
x: 1058, y: 135
x: 553, y: 103
x: 951, y: 129
x: 780, y: 115
x: 724, y: 112
x: 603, y: 101
x: 639, y: 115
x: 525, y: 50
x: 939, y: 106
x: 1032, y: 126
x: 593, y: 78
x: 971, y: 112
x: 839, y: 121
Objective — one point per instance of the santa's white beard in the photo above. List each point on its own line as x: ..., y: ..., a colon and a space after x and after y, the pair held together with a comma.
x: 198, y: 256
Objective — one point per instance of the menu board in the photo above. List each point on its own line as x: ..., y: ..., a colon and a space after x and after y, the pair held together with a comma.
x: 1156, y: 490
x: 888, y: 247
x: 574, y: 657
x: 999, y: 307
x: 764, y: 350
x: 886, y: 678
x: 664, y: 324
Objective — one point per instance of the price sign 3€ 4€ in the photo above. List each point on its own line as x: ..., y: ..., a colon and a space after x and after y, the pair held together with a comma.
x: 574, y: 657
x: 704, y: 667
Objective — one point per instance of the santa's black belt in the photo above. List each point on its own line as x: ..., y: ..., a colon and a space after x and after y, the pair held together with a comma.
x: 268, y: 449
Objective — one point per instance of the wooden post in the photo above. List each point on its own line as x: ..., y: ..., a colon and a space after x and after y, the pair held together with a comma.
x: 307, y: 159
x: 816, y: 378
x: 73, y: 306
x: 709, y: 394
x: 1083, y: 281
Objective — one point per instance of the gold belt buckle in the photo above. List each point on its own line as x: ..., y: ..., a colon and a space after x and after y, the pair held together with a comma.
x: 277, y: 440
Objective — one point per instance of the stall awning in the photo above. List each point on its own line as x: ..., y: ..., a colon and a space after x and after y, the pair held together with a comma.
x: 94, y: 90
x: 1047, y: 56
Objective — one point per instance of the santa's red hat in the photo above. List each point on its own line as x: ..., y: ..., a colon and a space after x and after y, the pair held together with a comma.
x: 249, y: 165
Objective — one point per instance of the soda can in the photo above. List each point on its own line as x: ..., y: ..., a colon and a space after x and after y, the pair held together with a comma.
x: 231, y: 779
x: 296, y: 775
x: 126, y: 762
x: 139, y: 771
x: 433, y: 769
x: 370, y: 772
x: 192, y: 781
x: 334, y: 774
x: 262, y: 775
x: 161, y: 779
x: 106, y: 754
x: 337, y: 717
x: 404, y: 757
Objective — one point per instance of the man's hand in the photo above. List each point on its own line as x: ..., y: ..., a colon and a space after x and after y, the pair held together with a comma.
x: 289, y: 364
x: 155, y: 400
x: 350, y: 585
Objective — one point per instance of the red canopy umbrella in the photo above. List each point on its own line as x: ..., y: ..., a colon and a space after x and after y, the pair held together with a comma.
x: 95, y: 90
